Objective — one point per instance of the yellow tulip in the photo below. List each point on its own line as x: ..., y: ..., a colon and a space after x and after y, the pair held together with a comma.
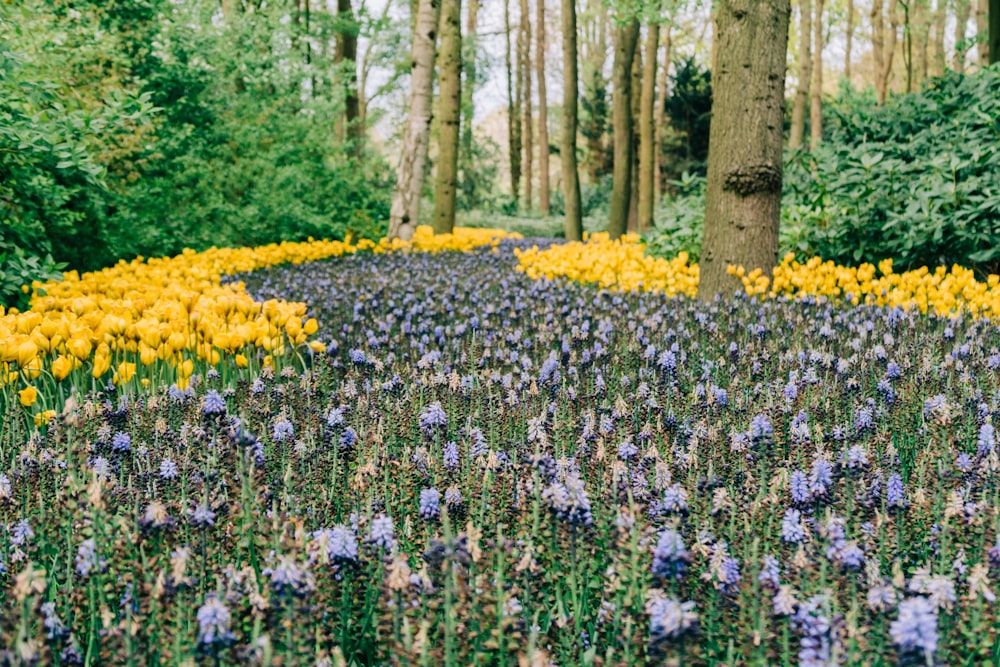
x: 61, y: 368
x: 28, y: 396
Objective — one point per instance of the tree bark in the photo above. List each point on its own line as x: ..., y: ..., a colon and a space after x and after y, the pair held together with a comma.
x: 883, y: 46
x: 449, y: 116
x: 567, y: 150
x: 660, y: 114
x: 346, y: 54
x: 798, y: 128
x: 647, y: 132
x: 939, y: 61
x: 626, y: 37
x: 850, y: 41
x: 816, y: 107
x: 634, y: 97
x: 994, y: 31
x: 922, y: 35
x: 962, y: 12
x: 595, y: 93
x: 469, y: 74
x: 524, y: 66
x: 743, y: 197
x: 983, y: 32
x: 405, y: 212
x: 513, y: 113
x: 543, y: 113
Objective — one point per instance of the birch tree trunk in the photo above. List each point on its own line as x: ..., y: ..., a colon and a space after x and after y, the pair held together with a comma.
x: 405, y: 211
x: 801, y: 102
x: 449, y: 116
x: 626, y: 37
x: 743, y: 197
x: 647, y: 133
x: 567, y: 150
x: 816, y: 108
x: 543, y: 112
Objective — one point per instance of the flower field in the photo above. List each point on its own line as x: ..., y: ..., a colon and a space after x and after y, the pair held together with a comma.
x: 457, y: 459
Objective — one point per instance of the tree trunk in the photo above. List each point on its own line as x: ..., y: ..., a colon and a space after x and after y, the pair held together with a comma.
x: 524, y: 66
x: 798, y: 128
x: 626, y: 37
x: 962, y: 12
x: 469, y: 73
x: 449, y: 115
x: 660, y: 114
x: 884, y: 46
x: 983, y: 32
x: 647, y: 133
x: 567, y: 145
x: 940, y: 57
x: 850, y: 41
x: 543, y: 113
x: 994, y: 31
x: 743, y: 197
x: 634, y: 96
x: 513, y: 113
x: 816, y: 108
x: 596, y: 94
x: 922, y: 35
x: 347, y: 54
x: 405, y: 212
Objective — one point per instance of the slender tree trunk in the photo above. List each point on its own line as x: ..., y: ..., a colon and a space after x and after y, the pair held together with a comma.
x: 907, y: 50
x: 405, y: 212
x: 595, y: 90
x: 816, y: 107
x: 513, y: 113
x: 743, y: 198
x: 634, y: 96
x: 449, y: 115
x: 567, y: 144
x: 647, y: 132
x: 850, y: 41
x: 660, y: 113
x: 524, y: 66
x: 347, y: 55
x: 878, y: 45
x: 469, y: 74
x: 994, y: 31
x: 983, y: 32
x: 940, y: 57
x: 962, y: 12
x: 626, y: 37
x: 543, y: 113
x: 801, y: 102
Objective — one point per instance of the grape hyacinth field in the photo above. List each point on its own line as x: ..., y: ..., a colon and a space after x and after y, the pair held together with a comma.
x: 481, y: 467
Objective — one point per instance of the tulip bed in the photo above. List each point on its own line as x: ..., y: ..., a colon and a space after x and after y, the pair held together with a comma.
x: 477, y: 466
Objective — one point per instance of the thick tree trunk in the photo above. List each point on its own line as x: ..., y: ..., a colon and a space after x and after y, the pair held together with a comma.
x: 449, y: 116
x: 983, y: 32
x: 816, y: 107
x: 626, y: 37
x: 347, y: 54
x: 405, y: 211
x: 567, y: 144
x: 743, y: 199
x: 660, y: 113
x: 647, y: 133
x: 543, y: 113
x: 524, y: 66
x: 850, y: 41
x: 962, y: 12
x: 801, y: 102
x: 513, y: 113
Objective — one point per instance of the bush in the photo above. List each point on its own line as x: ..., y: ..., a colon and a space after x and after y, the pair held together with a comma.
x: 917, y: 180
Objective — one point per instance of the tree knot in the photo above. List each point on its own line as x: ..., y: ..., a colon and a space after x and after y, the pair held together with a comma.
x: 752, y: 179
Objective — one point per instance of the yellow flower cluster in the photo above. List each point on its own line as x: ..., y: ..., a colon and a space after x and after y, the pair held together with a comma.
x: 173, y: 310
x: 463, y: 239
x: 624, y: 265
x: 938, y: 291
x: 621, y: 264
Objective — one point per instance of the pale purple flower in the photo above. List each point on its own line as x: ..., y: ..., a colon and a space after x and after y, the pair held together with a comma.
x: 213, y: 621
x: 215, y: 404
x: 916, y: 628
x: 430, y: 503
x: 670, y: 558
